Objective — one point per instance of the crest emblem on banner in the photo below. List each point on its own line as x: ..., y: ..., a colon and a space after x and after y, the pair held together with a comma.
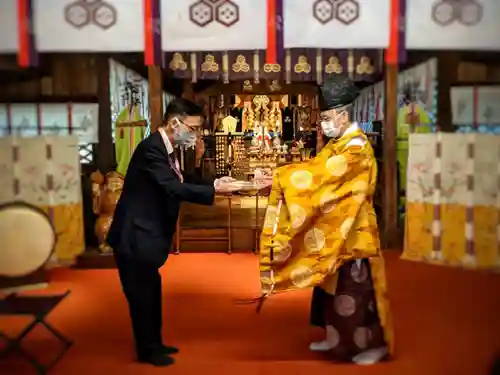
x: 204, y: 12
x: 82, y: 13
x: 466, y: 12
x: 344, y: 11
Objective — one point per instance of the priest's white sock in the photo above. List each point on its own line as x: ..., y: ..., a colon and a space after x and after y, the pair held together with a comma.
x: 320, y: 346
x: 370, y: 357
x: 332, y: 340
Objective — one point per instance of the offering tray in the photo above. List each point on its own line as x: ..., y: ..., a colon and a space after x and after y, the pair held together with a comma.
x: 247, y: 185
x: 249, y: 188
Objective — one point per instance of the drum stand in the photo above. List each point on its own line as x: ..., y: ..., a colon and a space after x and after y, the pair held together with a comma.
x: 39, y: 307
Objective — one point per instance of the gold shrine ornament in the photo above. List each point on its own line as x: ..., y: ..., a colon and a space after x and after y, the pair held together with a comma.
x: 272, y: 68
x: 241, y: 65
x: 247, y: 85
x: 229, y: 124
x: 365, y: 66
x: 302, y: 65
x: 275, y: 86
x: 333, y: 66
x: 209, y: 64
x: 261, y: 100
x: 177, y: 62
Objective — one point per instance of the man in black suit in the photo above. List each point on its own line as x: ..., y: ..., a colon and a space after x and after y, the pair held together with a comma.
x: 145, y: 220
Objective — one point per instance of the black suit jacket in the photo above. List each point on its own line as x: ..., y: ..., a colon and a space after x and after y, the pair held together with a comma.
x: 146, y: 214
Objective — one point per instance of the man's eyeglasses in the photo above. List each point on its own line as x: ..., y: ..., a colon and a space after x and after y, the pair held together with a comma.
x: 194, y: 128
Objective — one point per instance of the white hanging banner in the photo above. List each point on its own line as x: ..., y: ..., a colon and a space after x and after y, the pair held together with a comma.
x: 89, y: 25
x: 419, y: 82
x: 119, y: 77
x: 32, y: 166
x: 379, y: 100
x: 213, y: 25
x: 8, y: 27
x: 369, y: 106
x: 475, y: 105
x: 453, y: 25
x: 453, y: 170
x: 462, y: 105
x: 488, y: 105
x: 416, y: 96
x: 28, y: 119
x: 342, y: 24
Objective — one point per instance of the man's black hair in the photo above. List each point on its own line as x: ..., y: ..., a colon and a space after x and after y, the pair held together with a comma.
x: 181, y: 107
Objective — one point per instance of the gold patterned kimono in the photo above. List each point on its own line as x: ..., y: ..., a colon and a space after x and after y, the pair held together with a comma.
x: 320, y: 216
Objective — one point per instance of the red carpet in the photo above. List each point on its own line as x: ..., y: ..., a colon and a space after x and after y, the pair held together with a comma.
x: 446, y: 321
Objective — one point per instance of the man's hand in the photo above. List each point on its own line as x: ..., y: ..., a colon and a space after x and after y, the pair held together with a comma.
x: 225, y: 185
x: 199, y: 150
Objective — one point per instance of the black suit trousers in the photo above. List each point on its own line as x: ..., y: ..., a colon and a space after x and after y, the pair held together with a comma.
x: 141, y: 285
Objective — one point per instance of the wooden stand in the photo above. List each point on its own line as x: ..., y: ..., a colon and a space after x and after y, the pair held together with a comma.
x: 197, y: 236
x: 239, y: 227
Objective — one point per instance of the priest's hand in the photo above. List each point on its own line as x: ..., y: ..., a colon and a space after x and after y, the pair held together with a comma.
x: 263, y: 178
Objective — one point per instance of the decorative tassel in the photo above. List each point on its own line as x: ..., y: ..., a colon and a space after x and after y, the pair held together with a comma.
x: 275, y: 40
x: 280, y: 26
x: 153, y: 54
x: 26, y: 55
x: 260, y: 300
x: 396, y: 52
x: 402, y: 55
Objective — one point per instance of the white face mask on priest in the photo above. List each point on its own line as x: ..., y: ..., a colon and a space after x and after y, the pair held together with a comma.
x: 334, y: 122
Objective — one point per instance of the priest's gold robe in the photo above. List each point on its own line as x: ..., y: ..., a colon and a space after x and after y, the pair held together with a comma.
x: 320, y: 216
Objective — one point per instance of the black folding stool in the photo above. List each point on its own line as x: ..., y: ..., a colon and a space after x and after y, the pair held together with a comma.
x: 39, y: 307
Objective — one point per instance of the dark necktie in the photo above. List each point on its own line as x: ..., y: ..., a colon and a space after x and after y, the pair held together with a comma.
x: 172, y: 161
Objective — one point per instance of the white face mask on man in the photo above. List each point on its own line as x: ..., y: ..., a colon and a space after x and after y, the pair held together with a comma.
x: 183, y: 137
